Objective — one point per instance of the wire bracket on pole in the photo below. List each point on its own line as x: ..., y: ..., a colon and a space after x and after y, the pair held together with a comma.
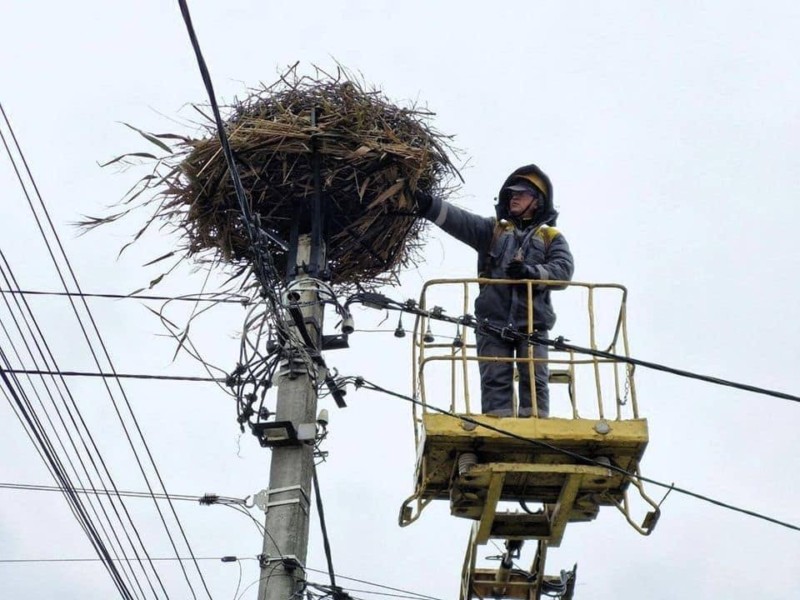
x: 289, y: 561
x: 262, y: 498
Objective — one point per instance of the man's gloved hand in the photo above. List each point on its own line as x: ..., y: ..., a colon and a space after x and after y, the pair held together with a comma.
x: 424, y: 201
x: 517, y: 269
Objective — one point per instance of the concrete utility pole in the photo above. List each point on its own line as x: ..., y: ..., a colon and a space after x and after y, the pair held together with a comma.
x: 288, y: 498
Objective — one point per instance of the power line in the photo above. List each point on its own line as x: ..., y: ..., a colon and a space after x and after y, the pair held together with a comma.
x: 37, y: 433
x: 254, y: 233
x: 361, y: 382
x: 41, y: 437
x: 89, y: 560
x: 78, y: 509
x: 332, y: 592
x: 100, y: 341
x: 385, y: 587
x: 242, y: 300
x: 290, y: 523
x: 265, y: 578
x: 229, y: 558
x: 51, y: 373
x: 561, y: 344
x: 320, y: 510
x: 204, y: 499
x: 382, y: 302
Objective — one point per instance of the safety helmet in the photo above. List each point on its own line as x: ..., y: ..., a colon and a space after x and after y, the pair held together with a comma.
x: 532, y: 178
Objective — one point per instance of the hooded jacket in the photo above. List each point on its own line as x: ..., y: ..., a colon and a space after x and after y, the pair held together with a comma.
x: 498, y: 239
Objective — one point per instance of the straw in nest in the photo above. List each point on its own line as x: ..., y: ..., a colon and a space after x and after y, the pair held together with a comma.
x: 374, y: 158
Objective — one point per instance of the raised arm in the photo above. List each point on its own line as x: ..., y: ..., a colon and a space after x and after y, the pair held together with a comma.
x: 473, y: 230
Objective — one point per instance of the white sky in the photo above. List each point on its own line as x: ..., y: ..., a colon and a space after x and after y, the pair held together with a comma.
x: 670, y: 132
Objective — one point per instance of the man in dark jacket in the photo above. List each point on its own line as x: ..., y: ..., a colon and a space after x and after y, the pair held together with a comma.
x: 520, y: 243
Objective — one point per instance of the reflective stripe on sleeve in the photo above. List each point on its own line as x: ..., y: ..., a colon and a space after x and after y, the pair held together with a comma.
x: 442, y: 215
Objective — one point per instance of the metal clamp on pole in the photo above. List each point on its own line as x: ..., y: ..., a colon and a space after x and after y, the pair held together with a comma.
x: 262, y: 498
x: 289, y: 562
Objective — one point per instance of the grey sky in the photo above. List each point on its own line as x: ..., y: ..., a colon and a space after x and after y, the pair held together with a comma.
x: 670, y: 131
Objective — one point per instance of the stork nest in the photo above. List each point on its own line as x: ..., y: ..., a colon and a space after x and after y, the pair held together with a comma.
x: 373, y: 159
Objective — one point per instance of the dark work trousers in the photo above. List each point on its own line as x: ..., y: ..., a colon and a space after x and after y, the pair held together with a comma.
x: 497, y: 381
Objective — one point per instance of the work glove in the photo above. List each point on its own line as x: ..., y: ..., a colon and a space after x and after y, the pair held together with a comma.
x: 423, y: 200
x: 517, y: 269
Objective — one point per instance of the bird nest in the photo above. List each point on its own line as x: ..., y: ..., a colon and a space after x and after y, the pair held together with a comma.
x: 371, y: 159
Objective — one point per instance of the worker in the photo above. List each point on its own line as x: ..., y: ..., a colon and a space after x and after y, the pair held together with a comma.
x: 520, y: 243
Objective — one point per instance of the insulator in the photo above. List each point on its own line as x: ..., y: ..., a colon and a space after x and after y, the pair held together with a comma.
x: 428, y: 339
x: 458, y: 341
x: 348, y: 325
x: 400, y: 332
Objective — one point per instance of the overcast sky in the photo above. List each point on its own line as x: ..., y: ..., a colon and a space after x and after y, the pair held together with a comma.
x: 670, y: 131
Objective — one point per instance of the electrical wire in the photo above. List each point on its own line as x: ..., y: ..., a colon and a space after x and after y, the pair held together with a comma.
x: 561, y: 344
x: 265, y: 578
x: 242, y: 510
x: 406, y: 593
x: 41, y: 438
x: 77, y: 507
x: 30, y: 487
x: 325, y: 541
x: 239, y: 581
x: 263, y: 267
x: 241, y: 300
x: 373, y: 592
x: 361, y: 382
x: 145, y: 376
x: 385, y: 587
x: 36, y: 431
x: 90, y: 560
x: 381, y: 302
x: 253, y: 233
x: 99, y: 341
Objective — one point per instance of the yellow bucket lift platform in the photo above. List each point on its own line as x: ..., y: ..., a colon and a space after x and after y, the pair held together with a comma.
x: 526, y: 478
x: 530, y: 461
